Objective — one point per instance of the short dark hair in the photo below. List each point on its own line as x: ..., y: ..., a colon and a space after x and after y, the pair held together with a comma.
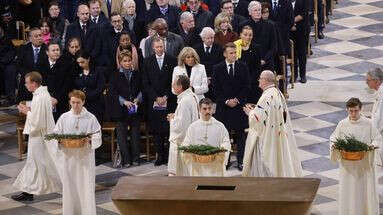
x: 205, y: 101
x: 53, y: 43
x: 53, y: 3
x: 265, y: 5
x: 115, y: 14
x: 353, y: 102
x: 184, y: 81
x: 225, y: 2
x: 229, y: 45
x: 34, y: 77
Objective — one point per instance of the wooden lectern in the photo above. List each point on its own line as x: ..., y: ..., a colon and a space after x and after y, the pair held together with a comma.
x: 214, y: 195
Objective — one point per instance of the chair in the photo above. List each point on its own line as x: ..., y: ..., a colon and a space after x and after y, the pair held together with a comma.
x: 291, y: 62
x: 316, y: 30
x: 20, y: 138
x: 21, y: 34
x: 110, y: 127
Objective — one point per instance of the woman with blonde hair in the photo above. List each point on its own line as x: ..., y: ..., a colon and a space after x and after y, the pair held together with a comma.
x: 250, y: 54
x: 224, y: 31
x: 189, y: 65
x: 125, y: 43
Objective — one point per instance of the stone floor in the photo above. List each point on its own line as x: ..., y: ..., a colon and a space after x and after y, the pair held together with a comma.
x: 336, y: 72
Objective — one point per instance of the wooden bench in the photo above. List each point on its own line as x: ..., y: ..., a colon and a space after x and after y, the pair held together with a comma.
x: 20, y: 138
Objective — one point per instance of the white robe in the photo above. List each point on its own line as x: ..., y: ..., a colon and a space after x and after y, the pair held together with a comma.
x: 186, y: 113
x: 201, y: 132
x: 271, y: 149
x: 357, y: 179
x: 77, y: 165
x: 39, y: 175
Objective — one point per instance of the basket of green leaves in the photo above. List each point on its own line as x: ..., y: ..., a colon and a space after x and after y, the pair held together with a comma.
x: 202, y: 153
x: 70, y: 140
x: 351, y: 149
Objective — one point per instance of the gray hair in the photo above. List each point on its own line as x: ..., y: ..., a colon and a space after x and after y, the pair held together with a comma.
x: 125, y: 3
x: 376, y: 74
x: 205, y: 31
x: 253, y: 4
x: 186, y: 15
x: 268, y: 75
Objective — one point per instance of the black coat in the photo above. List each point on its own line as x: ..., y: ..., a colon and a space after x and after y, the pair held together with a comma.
x: 58, y: 24
x: 93, y: 86
x: 236, y: 22
x: 74, y: 30
x: 171, y: 17
x: 203, y: 18
x: 300, y: 36
x: 157, y: 83
x: 129, y: 90
x: 242, y: 8
x: 190, y: 39
x: 139, y: 30
x: 209, y: 60
x: 283, y: 16
x: 26, y: 64
x: 59, y: 81
x: 7, y: 53
x: 226, y: 87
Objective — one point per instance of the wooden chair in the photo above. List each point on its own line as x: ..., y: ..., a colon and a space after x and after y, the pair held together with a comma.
x: 291, y: 62
x: 316, y: 30
x: 145, y: 131
x: 110, y: 127
x: 20, y: 138
x: 21, y: 34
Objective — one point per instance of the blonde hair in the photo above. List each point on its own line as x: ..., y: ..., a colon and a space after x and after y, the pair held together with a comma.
x: 220, y: 18
x: 124, y: 53
x: 186, y: 52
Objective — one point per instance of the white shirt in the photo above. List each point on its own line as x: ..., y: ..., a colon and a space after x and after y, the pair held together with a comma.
x: 51, y: 63
x: 94, y: 19
x: 205, y: 46
x: 228, y: 67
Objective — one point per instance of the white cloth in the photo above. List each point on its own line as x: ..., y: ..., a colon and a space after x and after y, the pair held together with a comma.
x: 39, y: 175
x: 77, y: 165
x: 357, y: 179
x: 271, y: 148
x: 198, y: 79
x: 202, y: 132
x: 186, y: 113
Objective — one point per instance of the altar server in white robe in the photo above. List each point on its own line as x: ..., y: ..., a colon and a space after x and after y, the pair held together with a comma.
x: 186, y: 113
x: 205, y: 131
x: 374, y: 80
x: 357, y: 179
x: 77, y: 165
x: 39, y: 175
x: 271, y: 148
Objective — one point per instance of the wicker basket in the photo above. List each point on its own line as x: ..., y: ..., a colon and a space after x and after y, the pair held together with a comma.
x: 204, y: 158
x: 73, y: 143
x: 352, y: 156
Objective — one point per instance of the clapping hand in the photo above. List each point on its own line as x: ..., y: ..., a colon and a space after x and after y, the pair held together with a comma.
x: 23, y: 108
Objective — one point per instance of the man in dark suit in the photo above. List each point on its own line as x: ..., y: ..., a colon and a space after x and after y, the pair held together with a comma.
x: 56, y: 76
x: 231, y: 84
x: 202, y: 18
x: 80, y: 28
x: 228, y: 7
x: 264, y: 35
x: 157, y: 78
x: 96, y: 17
x: 210, y: 54
x: 300, y: 35
x: 187, y: 29
x: 164, y: 10
x: 8, y: 69
x: 29, y: 58
x: 132, y: 22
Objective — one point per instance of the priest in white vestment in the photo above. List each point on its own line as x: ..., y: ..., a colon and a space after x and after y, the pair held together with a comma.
x: 357, y: 179
x: 77, y: 165
x: 271, y: 148
x: 186, y: 113
x: 205, y: 131
x: 39, y: 175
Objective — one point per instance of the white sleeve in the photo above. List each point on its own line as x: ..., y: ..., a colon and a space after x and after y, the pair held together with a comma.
x: 203, y: 87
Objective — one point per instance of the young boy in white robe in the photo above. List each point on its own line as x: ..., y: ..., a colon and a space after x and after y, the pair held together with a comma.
x: 77, y: 165
x: 205, y: 131
x: 39, y: 175
x: 186, y: 113
x: 357, y: 179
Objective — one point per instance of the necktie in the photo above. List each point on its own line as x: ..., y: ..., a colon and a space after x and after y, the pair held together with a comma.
x: 84, y: 28
x: 52, y: 65
x: 128, y: 75
x: 159, y: 60
x: 35, y: 55
x: 207, y: 50
x: 163, y: 10
x: 231, y: 70
x: 275, y: 5
x: 94, y: 20
x: 109, y: 5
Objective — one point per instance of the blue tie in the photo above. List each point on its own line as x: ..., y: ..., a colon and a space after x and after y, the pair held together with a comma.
x: 35, y: 55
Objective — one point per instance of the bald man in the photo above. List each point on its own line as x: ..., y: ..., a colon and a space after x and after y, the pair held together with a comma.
x: 271, y: 149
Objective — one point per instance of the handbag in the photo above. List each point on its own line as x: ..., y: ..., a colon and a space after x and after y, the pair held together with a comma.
x: 117, y: 158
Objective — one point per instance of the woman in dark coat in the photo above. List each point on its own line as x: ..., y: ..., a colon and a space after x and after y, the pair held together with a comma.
x: 92, y: 83
x: 125, y: 89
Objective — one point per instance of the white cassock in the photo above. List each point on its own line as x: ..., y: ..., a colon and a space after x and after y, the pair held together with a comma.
x: 201, y: 132
x: 271, y: 149
x: 39, y: 175
x: 357, y: 179
x: 77, y: 165
x: 186, y: 113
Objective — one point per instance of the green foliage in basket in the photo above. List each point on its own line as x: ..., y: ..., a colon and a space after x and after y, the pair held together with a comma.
x: 201, y: 149
x: 351, y: 144
x: 66, y: 136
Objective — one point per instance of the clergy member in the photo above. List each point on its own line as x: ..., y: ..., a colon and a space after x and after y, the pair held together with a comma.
x: 77, y: 165
x: 186, y: 113
x: 357, y: 179
x: 39, y: 175
x: 271, y: 148
x: 206, y: 131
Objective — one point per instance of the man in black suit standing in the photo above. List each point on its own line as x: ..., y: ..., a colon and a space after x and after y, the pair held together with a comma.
x: 300, y: 35
x: 81, y: 28
x: 210, y: 54
x: 157, y: 78
x: 163, y: 10
x: 56, y: 76
x: 29, y: 58
x: 96, y: 17
x: 231, y: 84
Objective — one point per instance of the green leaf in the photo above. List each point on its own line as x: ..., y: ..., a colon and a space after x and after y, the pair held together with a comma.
x: 201, y: 149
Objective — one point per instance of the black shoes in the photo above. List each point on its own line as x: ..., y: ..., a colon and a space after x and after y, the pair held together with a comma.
x: 303, y: 80
x: 240, y: 167
x: 159, y: 162
x: 23, y: 197
x: 320, y: 35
